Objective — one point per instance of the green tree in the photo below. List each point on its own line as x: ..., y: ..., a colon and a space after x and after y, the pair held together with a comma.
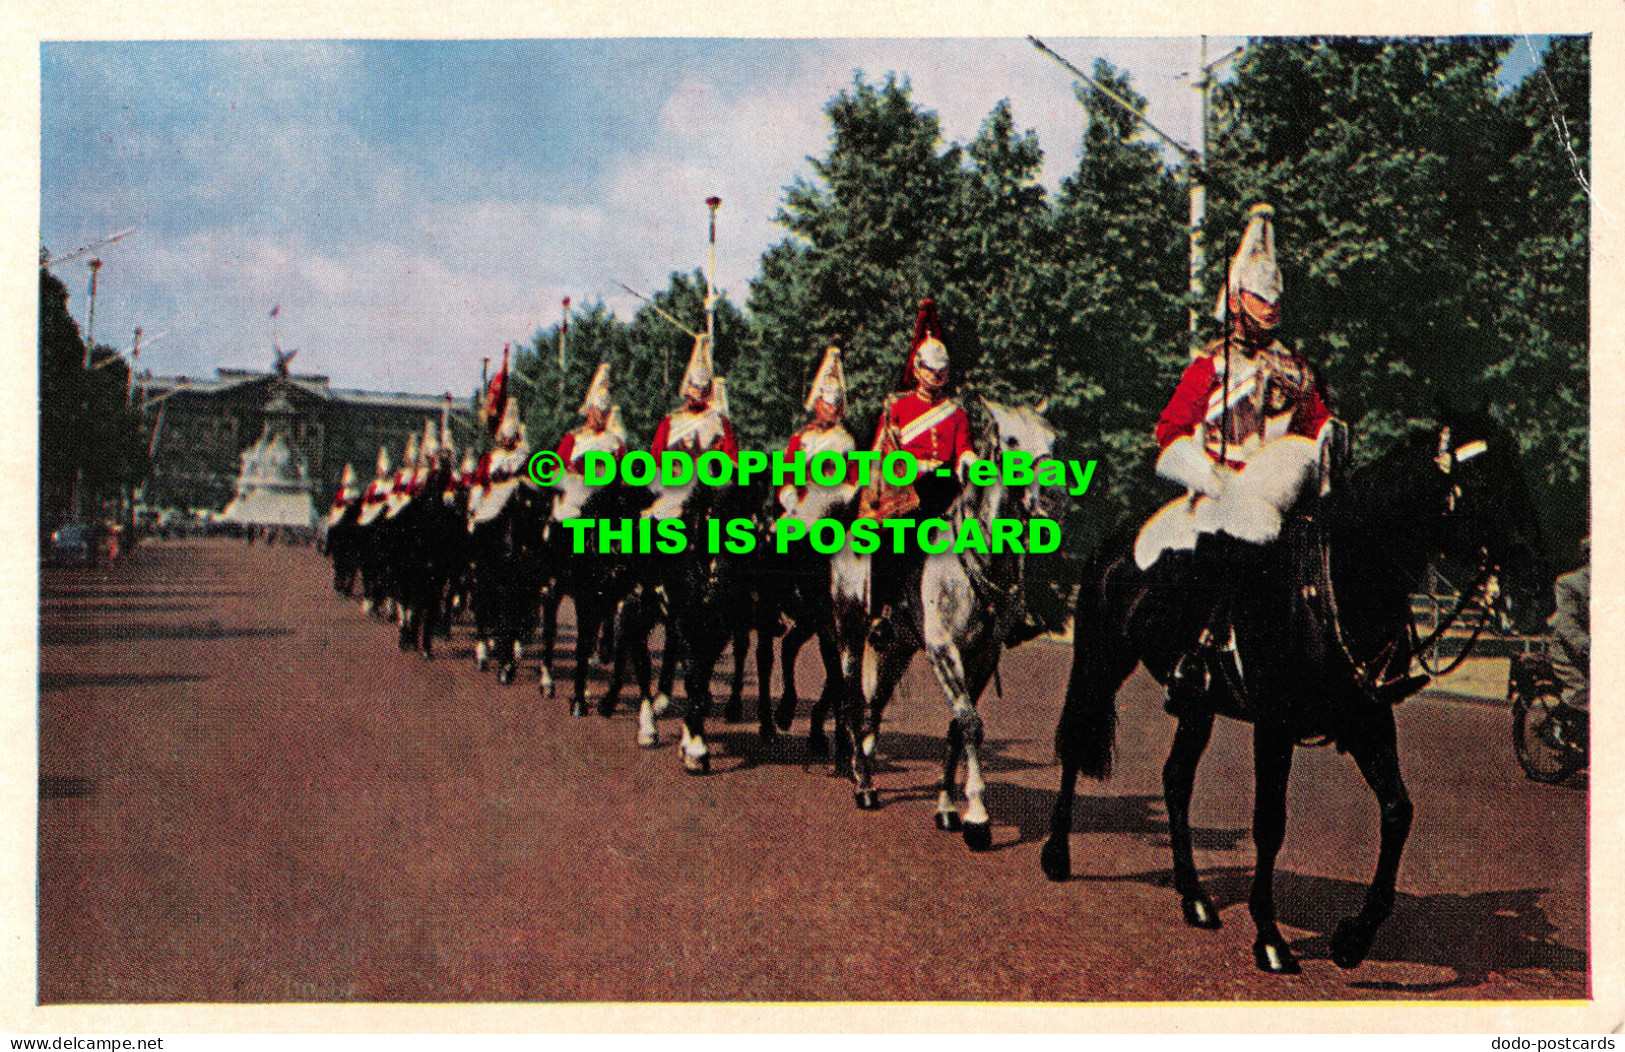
x: 1432, y: 232
x: 1122, y: 243
x: 868, y: 244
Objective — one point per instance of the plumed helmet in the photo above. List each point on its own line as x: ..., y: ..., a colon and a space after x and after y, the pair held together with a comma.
x: 829, y: 385
x: 927, y: 348
x: 598, y: 396
x: 700, y: 371
x: 1254, y: 283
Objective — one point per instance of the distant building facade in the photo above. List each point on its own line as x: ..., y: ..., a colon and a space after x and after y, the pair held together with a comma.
x: 203, y: 426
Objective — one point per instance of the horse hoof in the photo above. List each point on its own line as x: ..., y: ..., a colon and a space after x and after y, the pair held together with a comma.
x: 428, y: 655
x: 817, y: 744
x: 697, y: 764
x: 505, y: 674
x: 1200, y: 912
x: 1351, y: 942
x: 662, y: 703
x: 1056, y: 858
x: 978, y: 835
x: 549, y: 689
x: 648, y: 739
x: 606, y: 708
x: 578, y: 709
x: 1273, y: 956
x: 867, y: 800
x: 784, y: 717
x: 734, y: 713
x: 481, y: 664
x: 948, y: 821
x: 767, y: 732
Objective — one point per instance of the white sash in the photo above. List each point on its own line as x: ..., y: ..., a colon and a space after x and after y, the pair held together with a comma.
x: 927, y: 420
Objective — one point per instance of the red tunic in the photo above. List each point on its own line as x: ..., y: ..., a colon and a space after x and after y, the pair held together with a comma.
x: 1196, y: 399
x: 726, y: 443
x: 936, y: 433
x: 576, y: 463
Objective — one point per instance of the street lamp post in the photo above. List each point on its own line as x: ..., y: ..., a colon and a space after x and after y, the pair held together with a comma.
x: 711, y: 278
x: 564, y: 329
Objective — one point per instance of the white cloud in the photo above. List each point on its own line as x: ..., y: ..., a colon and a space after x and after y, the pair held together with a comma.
x: 400, y: 271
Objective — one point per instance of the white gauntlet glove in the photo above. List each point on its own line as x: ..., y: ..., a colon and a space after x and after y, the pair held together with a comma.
x: 1187, y: 463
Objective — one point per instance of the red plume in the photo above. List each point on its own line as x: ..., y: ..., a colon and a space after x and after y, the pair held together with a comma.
x: 926, y: 327
x: 496, y: 396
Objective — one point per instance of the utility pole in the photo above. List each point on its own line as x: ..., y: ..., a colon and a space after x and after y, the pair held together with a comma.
x: 135, y: 360
x: 1195, y: 161
x: 711, y: 279
x: 90, y: 323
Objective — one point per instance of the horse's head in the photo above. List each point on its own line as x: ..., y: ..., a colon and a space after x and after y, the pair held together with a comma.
x: 1023, y: 429
x: 1491, y: 520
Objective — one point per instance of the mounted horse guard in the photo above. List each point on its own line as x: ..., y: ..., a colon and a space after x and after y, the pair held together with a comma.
x: 958, y: 606
x: 499, y: 502
x: 586, y: 576
x: 1249, y: 434
x: 1305, y: 573
x: 797, y: 583
x: 687, y: 589
x: 339, y: 532
x: 370, y: 526
x: 923, y: 421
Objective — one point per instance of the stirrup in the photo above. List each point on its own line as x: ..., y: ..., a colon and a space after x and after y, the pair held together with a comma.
x: 1398, y: 689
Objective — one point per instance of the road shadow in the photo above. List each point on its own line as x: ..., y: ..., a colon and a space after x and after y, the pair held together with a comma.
x: 1473, y: 935
x: 70, y: 787
x: 1142, y: 816
x: 54, y: 681
x: 790, y: 749
x: 65, y: 607
x: 61, y: 635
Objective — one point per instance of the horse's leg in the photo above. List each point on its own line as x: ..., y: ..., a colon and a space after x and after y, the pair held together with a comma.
x: 551, y: 598
x: 947, y: 809
x: 765, y: 728
x: 704, y: 649
x: 588, y: 613
x: 865, y: 706
x: 1378, y: 757
x: 1178, y: 777
x: 734, y: 712
x: 668, y: 659
x: 962, y: 691
x: 789, y: 648
x: 632, y: 629
x: 829, y: 698
x: 1272, y: 768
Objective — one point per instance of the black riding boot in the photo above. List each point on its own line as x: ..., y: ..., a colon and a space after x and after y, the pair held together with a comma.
x: 1219, y: 567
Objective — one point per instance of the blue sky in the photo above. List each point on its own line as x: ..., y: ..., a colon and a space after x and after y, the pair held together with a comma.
x: 413, y: 205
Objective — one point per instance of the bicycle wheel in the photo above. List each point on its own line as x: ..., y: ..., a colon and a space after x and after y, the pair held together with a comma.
x: 1543, y: 754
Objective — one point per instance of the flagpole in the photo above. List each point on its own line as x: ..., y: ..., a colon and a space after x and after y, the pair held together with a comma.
x: 564, y: 327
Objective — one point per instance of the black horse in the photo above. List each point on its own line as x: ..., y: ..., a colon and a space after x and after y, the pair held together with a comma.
x: 710, y: 603
x: 1314, y: 627
x: 508, y: 556
x: 601, y: 584
x: 431, y: 545
x: 342, y: 544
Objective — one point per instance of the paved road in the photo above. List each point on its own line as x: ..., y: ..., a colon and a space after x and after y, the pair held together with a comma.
x: 247, y: 794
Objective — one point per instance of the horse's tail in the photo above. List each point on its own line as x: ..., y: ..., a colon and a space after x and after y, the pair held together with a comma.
x: 1087, y: 731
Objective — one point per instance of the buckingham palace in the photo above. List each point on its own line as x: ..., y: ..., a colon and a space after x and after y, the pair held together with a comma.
x: 202, y: 425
